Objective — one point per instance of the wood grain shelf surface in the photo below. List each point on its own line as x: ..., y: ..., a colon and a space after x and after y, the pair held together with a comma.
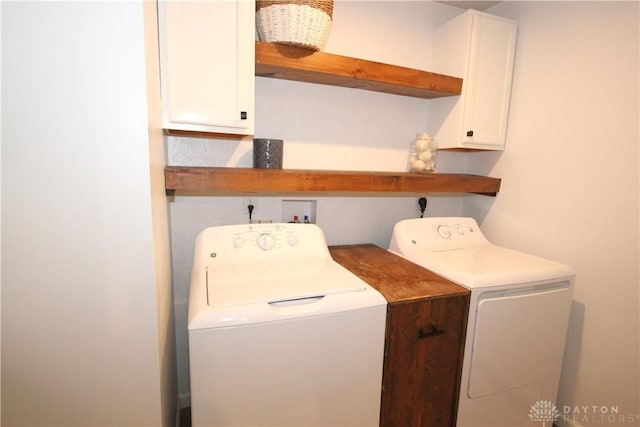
x: 396, y: 278
x: 234, y: 181
x: 291, y: 63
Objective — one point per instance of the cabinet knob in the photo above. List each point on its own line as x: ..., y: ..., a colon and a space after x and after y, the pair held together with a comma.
x: 469, y: 133
x: 430, y: 332
x: 243, y: 115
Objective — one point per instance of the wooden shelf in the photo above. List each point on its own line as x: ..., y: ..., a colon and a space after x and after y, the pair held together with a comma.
x: 235, y: 181
x: 291, y: 63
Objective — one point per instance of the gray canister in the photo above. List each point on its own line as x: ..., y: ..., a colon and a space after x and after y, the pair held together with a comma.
x: 267, y: 153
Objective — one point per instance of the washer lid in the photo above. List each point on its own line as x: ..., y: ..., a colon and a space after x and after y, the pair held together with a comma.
x: 489, y: 266
x: 273, y: 282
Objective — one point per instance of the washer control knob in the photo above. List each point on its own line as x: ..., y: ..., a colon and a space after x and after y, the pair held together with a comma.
x: 460, y: 229
x: 266, y: 241
x: 292, y: 240
x: 444, y: 231
x: 238, y: 242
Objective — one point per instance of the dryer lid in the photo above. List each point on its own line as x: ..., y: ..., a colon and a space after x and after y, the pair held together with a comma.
x: 490, y: 265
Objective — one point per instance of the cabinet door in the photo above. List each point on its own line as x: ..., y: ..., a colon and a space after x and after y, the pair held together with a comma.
x: 480, y: 48
x: 489, y: 76
x: 423, y: 362
x: 207, y: 57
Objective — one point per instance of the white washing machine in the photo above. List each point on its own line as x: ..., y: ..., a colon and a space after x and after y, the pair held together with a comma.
x: 279, y: 333
x: 518, y: 319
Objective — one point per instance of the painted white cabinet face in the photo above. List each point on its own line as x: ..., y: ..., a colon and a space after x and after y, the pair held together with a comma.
x: 480, y: 48
x: 207, y: 57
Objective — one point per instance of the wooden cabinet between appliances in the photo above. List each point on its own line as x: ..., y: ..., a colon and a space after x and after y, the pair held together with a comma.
x: 423, y: 362
x: 480, y: 48
x: 424, y: 345
x: 207, y: 65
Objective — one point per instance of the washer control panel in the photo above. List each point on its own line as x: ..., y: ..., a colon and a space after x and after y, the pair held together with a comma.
x: 267, y: 237
x: 259, y: 242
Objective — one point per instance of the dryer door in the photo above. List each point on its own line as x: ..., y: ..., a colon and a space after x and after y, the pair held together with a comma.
x: 518, y: 339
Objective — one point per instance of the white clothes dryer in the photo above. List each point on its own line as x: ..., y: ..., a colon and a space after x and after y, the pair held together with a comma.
x: 279, y: 333
x: 518, y: 319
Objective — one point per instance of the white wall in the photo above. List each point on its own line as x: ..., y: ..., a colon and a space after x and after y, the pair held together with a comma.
x: 86, y: 295
x: 0, y: 229
x: 570, y: 186
x: 161, y: 245
x: 323, y: 128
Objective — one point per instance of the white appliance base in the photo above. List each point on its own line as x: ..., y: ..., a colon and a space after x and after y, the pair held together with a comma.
x: 315, y: 371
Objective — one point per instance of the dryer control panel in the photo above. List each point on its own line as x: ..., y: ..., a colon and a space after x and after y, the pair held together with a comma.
x: 456, y: 230
x: 436, y: 234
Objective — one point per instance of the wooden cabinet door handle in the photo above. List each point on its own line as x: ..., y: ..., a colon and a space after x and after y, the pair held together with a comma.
x: 432, y: 331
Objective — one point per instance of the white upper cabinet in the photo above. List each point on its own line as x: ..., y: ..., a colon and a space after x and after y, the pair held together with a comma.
x: 207, y: 61
x: 480, y: 48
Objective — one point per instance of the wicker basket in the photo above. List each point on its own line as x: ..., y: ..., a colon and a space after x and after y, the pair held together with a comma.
x: 301, y: 23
